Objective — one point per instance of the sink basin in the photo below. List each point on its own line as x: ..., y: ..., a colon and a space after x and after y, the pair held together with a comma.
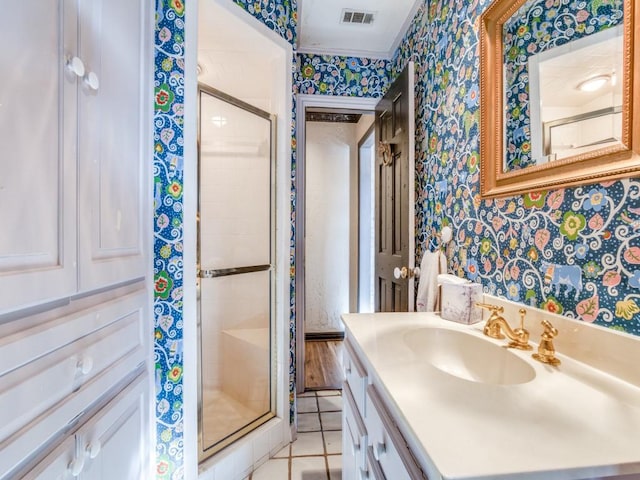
x: 468, y: 356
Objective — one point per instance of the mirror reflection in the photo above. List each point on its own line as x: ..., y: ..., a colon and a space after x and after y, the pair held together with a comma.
x: 562, y: 67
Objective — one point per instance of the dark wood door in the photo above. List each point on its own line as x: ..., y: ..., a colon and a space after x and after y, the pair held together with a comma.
x: 392, y: 197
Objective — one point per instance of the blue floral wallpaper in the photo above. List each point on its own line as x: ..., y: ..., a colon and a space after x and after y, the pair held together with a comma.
x: 281, y: 16
x: 168, y: 236
x: 342, y: 76
x: 540, y: 26
x: 574, y: 251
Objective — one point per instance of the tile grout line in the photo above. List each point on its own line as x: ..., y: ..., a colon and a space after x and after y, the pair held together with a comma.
x: 325, y: 453
x: 290, y: 460
x: 324, y: 443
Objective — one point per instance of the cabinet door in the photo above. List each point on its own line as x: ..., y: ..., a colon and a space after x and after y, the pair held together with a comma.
x: 114, y: 141
x: 38, y: 138
x: 386, y: 444
x: 115, y: 442
x: 354, y: 437
x: 61, y: 464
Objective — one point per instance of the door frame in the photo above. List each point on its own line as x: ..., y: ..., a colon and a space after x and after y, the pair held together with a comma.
x: 361, y: 145
x: 305, y: 101
x: 277, y: 430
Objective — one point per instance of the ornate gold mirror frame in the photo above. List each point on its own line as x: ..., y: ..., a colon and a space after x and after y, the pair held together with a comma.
x: 598, y: 165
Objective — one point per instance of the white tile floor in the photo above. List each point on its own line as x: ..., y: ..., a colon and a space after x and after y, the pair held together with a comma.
x: 316, y: 453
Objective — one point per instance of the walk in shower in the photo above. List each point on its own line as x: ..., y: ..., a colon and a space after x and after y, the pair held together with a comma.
x: 236, y: 258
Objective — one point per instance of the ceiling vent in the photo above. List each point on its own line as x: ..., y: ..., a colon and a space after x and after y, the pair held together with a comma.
x: 356, y: 17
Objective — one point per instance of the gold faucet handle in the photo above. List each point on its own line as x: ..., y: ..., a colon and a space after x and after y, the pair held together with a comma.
x: 492, y: 327
x: 521, y: 340
x: 549, y: 330
x: 494, y: 309
x: 522, y: 313
x: 546, y: 350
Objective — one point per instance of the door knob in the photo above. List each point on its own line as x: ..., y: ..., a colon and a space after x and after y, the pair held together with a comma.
x: 405, y: 272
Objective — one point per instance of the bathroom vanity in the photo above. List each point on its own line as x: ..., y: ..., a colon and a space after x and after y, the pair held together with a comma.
x: 425, y: 398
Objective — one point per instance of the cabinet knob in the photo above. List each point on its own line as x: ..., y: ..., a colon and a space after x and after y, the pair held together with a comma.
x: 91, y: 80
x: 75, y: 66
x: 379, y: 450
x: 364, y: 475
x: 85, y: 365
x: 76, y: 466
x: 93, y: 449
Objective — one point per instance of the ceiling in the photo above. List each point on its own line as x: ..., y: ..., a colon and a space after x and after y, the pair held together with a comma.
x: 577, y: 61
x: 321, y: 30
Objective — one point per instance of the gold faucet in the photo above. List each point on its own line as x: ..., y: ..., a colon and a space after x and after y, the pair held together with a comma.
x: 546, y: 351
x: 496, y: 324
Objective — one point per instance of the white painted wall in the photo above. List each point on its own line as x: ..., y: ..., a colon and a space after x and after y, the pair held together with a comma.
x: 331, y: 150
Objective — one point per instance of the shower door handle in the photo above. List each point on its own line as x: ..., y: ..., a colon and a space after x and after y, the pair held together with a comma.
x: 223, y: 272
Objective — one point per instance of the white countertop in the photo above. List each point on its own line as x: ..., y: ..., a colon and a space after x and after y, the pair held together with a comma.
x: 569, y: 422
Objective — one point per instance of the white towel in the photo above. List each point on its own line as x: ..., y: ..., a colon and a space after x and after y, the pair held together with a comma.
x: 433, y: 263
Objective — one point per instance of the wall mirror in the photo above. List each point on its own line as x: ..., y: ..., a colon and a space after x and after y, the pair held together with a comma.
x: 560, y: 97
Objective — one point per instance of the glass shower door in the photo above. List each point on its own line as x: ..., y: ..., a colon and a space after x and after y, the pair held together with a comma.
x: 235, y: 274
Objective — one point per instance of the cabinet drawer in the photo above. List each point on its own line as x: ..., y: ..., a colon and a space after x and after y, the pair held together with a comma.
x: 111, y: 444
x: 20, y: 449
x: 355, y: 376
x: 40, y: 399
x: 388, y: 446
x: 57, y: 465
x: 354, y: 432
x: 31, y: 390
x: 17, y: 348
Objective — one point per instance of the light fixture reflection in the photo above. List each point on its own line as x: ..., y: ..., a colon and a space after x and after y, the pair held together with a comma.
x: 218, y: 121
x: 594, y: 83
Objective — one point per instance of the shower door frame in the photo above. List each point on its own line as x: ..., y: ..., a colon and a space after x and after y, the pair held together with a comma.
x: 205, y: 452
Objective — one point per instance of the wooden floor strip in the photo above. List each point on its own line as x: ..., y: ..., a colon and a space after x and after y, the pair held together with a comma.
x: 323, y: 365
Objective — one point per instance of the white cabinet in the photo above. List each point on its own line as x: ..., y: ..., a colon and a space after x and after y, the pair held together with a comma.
x: 372, y: 446
x: 75, y: 126
x: 38, y: 118
x: 108, y: 446
x: 76, y: 119
x: 113, y: 140
x: 390, y: 452
x: 354, y: 437
x: 58, y: 371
